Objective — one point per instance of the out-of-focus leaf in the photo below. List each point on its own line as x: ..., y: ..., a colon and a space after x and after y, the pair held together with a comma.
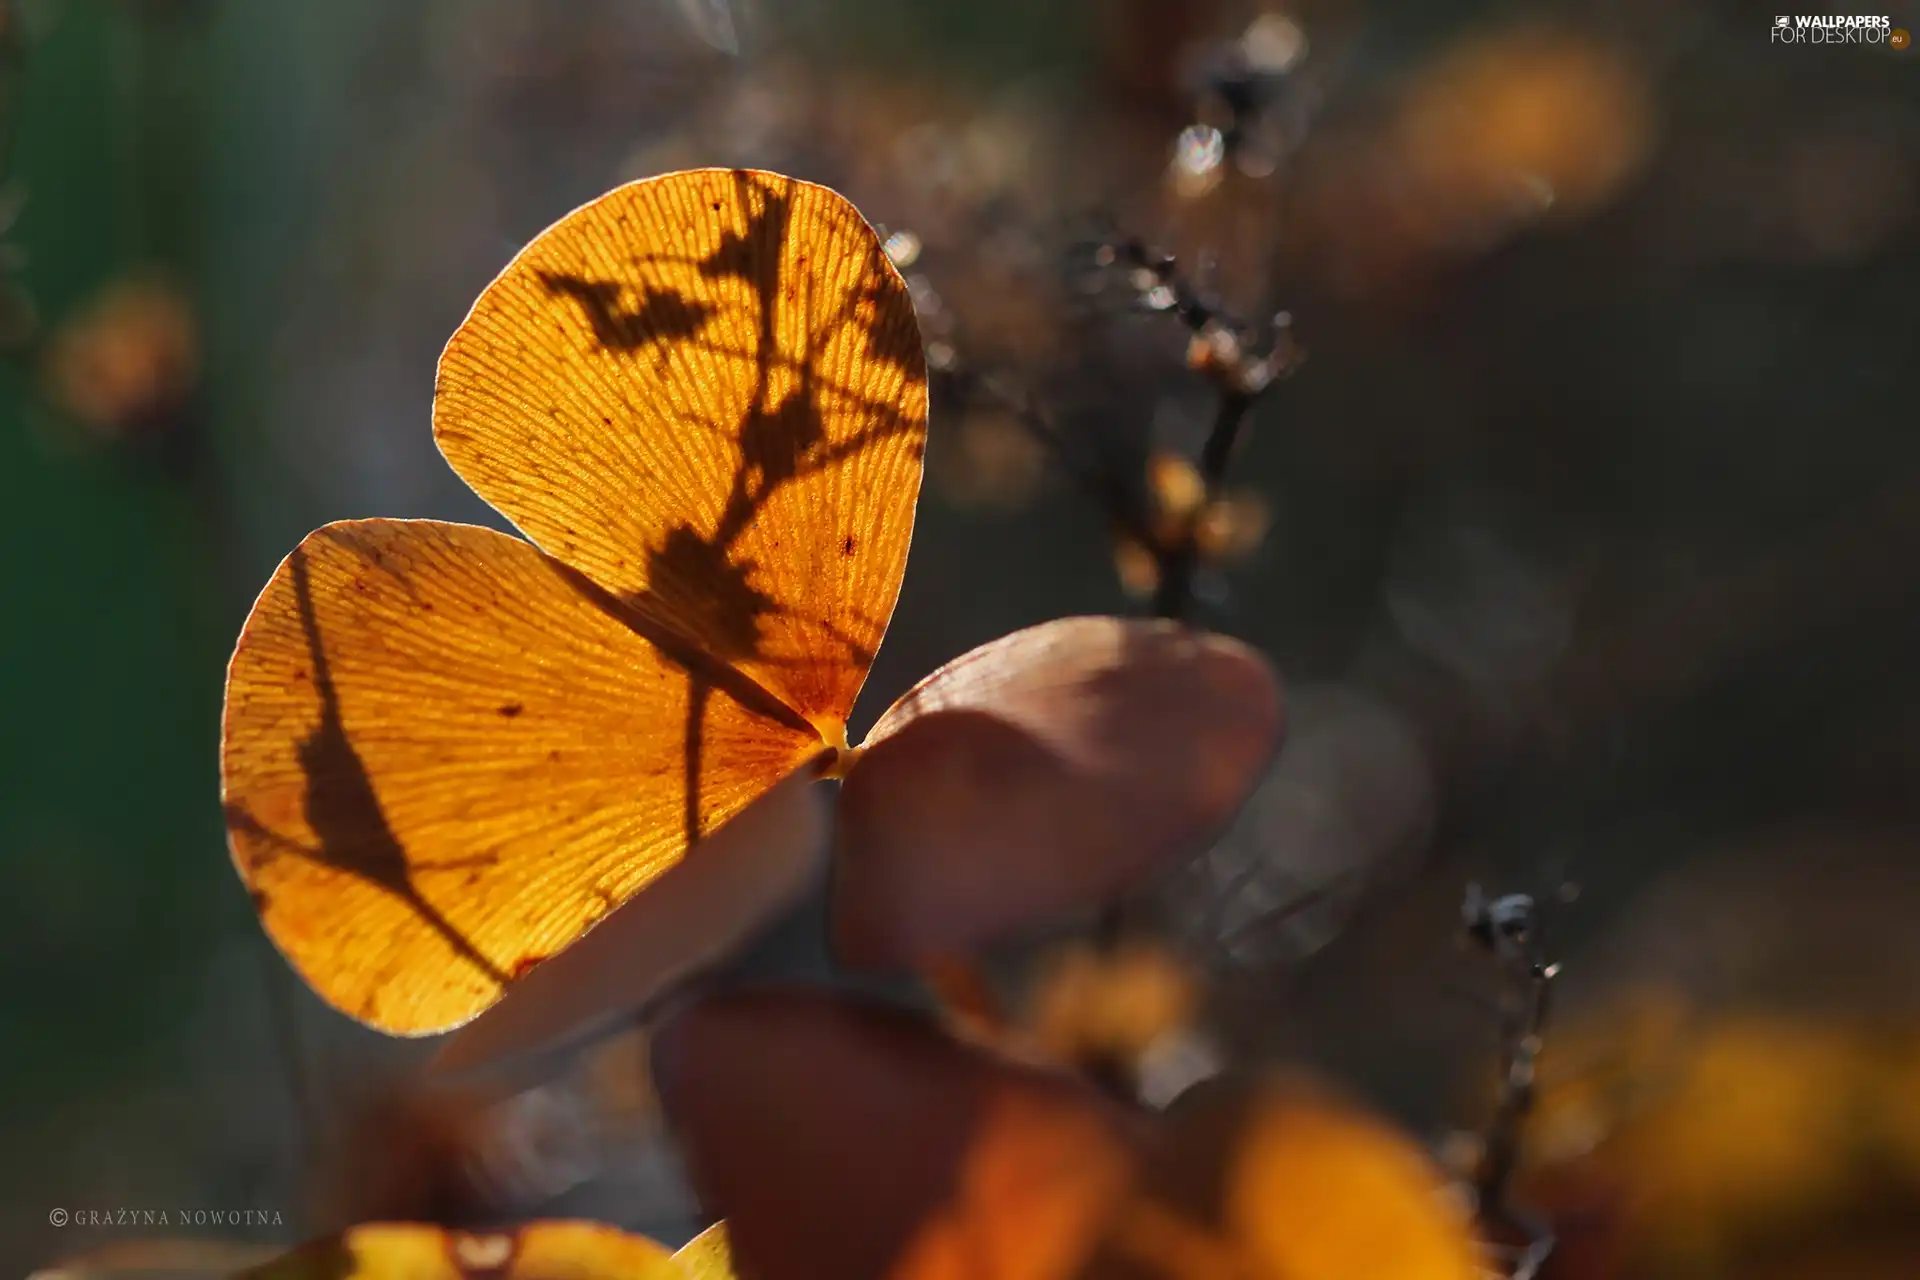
x: 1709, y: 1144
x: 1041, y: 774
x: 844, y: 1141
x: 127, y: 360
x: 1277, y: 1179
x: 555, y: 1250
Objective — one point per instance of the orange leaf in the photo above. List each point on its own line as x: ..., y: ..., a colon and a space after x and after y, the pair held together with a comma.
x: 844, y: 1141
x: 706, y: 392
x: 446, y: 753
x: 1042, y: 773
x: 556, y: 1250
x: 708, y: 1256
x: 696, y: 912
x: 1289, y: 1181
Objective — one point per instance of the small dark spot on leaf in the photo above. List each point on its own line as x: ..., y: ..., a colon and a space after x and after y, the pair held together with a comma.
x: 511, y: 709
x: 846, y: 547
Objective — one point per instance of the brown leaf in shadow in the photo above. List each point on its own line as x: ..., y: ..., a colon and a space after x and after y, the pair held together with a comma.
x: 1041, y: 774
x: 843, y: 1141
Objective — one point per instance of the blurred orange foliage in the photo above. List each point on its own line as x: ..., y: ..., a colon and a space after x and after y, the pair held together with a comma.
x: 126, y: 359
x: 1711, y: 1143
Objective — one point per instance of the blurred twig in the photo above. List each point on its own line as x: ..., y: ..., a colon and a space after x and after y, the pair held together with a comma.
x: 1241, y: 364
x: 1240, y: 361
x: 1511, y: 928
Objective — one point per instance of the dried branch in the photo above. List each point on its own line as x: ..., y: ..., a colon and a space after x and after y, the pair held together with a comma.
x: 1512, y: 929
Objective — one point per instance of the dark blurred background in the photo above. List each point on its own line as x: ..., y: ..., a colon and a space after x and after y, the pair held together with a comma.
x: 1587, y: 534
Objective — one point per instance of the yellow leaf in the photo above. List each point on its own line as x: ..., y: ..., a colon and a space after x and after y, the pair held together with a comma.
x: 706, y: 392
x: 692, y: 915
x: 557, y: 1250
x: 1290, y: 1183
x: 1714, y: 1142
x: 446, y: 753
x: 444, y: 759
x: 707, y: 1256
x: 1321, y: 1192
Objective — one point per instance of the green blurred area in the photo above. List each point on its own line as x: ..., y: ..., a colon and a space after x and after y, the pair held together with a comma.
x: 117, y: 616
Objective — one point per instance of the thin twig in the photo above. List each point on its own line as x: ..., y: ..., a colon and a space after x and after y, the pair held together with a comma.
x: 1511, y: 927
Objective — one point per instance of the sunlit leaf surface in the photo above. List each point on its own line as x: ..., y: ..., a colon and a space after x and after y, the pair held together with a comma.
x: 697, y: 911
x: 706, y: 393
x: 707, y: 1256
x: 447, y: 753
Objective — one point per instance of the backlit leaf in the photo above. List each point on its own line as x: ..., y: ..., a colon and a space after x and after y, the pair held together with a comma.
x: 446, y: 754
x: 697, y: 911
x: 706, y: 392
x: 707, y: 1256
